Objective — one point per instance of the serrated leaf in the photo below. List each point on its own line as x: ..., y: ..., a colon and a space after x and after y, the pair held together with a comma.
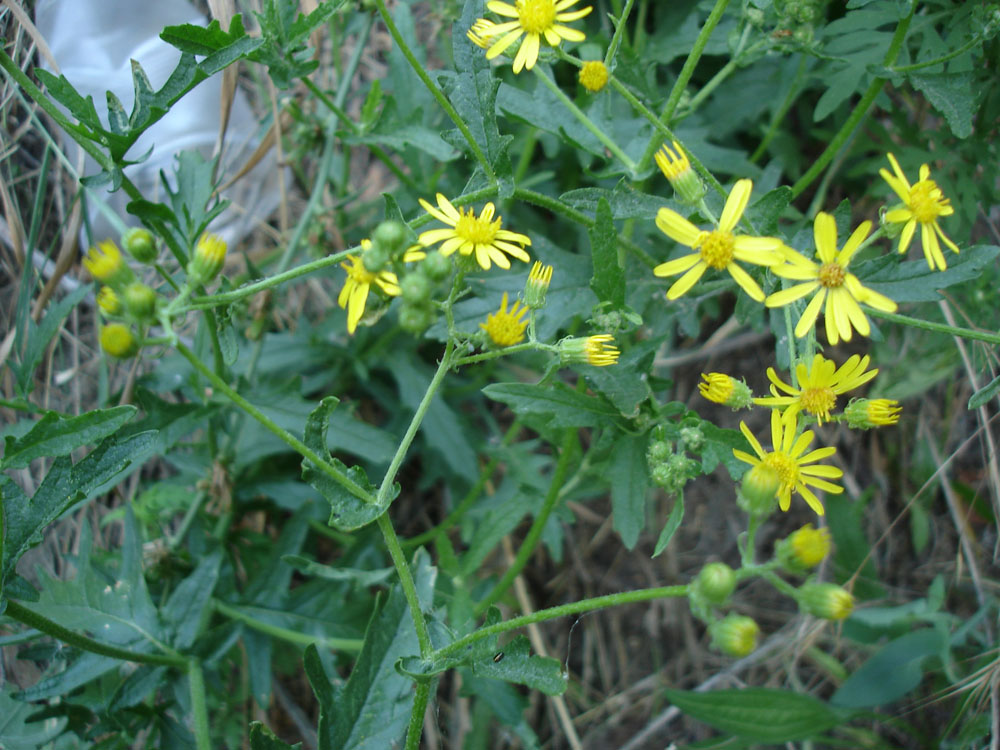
x: 203, y: 40
x: 37, y: 337
x: 608, y: 281
x: 562, y: 404
x: 629, y: 478
x: 62, y: 91
x: 19, y: 732
x: 952, y: 95
x: 515, y: 663
x: 347, y: 511
x: 767, y: 209
x: 670, y: 527
x: 759, y: 714
x: 54, y: 435
x: 914, y: 281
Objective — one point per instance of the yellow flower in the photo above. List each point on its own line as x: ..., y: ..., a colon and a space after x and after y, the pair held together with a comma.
x: 535, y: 18
x: 676, y: 167
x: 108, y: 301
x: 594, y: 75
x: 119, y: 341
x: 735, y: 635
x: 789, y: 459
x: 826, y: 600
x: 209, y: 257
x: 598, y: 350
x: 923, y: 203
x: 537, y: 286
x: 723, y: 389
x: 481, y: 33
x: 819, y: 385
x: 354, y: 295
x: 506, y: 327
x: 808, y: 547
x: 831, y: 282
x: 866, y: 413
x: 719, y: 248
x: 105, y: 263
x: 470, y: 233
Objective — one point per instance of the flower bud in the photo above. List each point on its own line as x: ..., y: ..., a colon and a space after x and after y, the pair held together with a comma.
x: 726, y: 390
x: 803, y: 549
x: 375, y: 257
x: 436, y: 266
x: 715, y: 582
x: 119, y: 341
x: 415, y: 319
x: 758, y: 493
x: 659, y: 451
x: 209, y: 256
x: 106, y: 264
x: 108, y: 301
x: 537, y: 285
x: 676, y: 167
x: 140, y: 300
x: 390, y: 235
x: 140, y: 244
x: 598, y: 350
x: 864, y: 413
x: 594, y: 76
x: 826, y: 600
x: 735, y: 635
x: 415, y: 288
x: 693, y: 438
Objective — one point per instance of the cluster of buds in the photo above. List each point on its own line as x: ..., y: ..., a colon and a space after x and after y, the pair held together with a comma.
x: 122, y: 298
x: 670, y: 467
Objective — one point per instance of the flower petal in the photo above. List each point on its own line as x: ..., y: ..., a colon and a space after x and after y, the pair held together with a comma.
x: 677, y: 265
x: 736, y: 204
x: 825, y: 237
x: 688, y: 280
x: 786, y: 296
x: 853, y: 243
x: 676, y: 227
x: 808, y: 319
x: 746, y: 281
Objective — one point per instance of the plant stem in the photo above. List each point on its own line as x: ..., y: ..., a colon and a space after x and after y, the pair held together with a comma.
x: 685, y: 75
x: 527, y: 346
x: 580, y: 115
x: 199, y: 707
x: 860, y: 110
x: 35, y: 620
x: 538, y: 525
x: 977, y: 39
x: 284, y: 435
x: 436, y: 92
x: 552, y: 613
x: 966, y: 333
x: 416, y: 727
x: 285, y: 634
x: 406, y: 581
x: 616, y: 40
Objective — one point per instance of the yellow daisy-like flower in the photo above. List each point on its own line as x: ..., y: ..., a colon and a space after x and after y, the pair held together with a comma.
x: 600, y: 350
x: 481, y: 33
x: 923, y: 203
x: 719, y: 248
x: 106, y: 263
x: 506, y: 327
x: 819, y: 385
x: 354, y: 295
x: 672, y: 162
x: 537, y: 286
x: 534, y: 19
x: 866, y: 413
x: 830, y: 280
x: 470, y: 233
x: 789, y: 460
x: 594, y: 76
x: 108, y: 301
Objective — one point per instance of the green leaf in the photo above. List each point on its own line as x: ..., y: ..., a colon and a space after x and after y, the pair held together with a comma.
x: 373, y: 709
x: 60, y: 89
x: 767, y: 209
x: 893, y: 671
x: 262, y: 738
x: 54, y: 435
x: 984, y: 394
x: 670, y: 528
x: 625, y: 385
x: 629, y: 478
x: 188, y: 607
x: 116, y: 114
x: 347, y: 512
x: 204, y: 40
x: 562, y: 404
x: 952, y: 95
x: 608, y: 281
x: 624, y: 200
x: 19, y: 732
x: 284, y: 35
x: 362, y: 578
x: 759, y: 714
x: 37, y: 338
x: 914, y: 281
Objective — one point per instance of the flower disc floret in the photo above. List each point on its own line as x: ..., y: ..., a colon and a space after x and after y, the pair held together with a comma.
x: 534, y: 19
x: 809, y: 546
x: 719, y: 248
x: 791, y: 462
x: 829, y: 281
x: 923, y: 205
x: 468, y: 234
x: 594, y: 76
x: 819, y: 385
x: 506, y: 327
x: 119, y: 341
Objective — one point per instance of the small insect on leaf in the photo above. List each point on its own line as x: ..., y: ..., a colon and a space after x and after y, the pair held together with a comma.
x: 498, y: 657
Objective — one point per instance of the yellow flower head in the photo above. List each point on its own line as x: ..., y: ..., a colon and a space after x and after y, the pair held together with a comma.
x: 735, y: 635
x: 719, y: 248
x: 923, y: 204
x: 106, y: 263
x: 789, y: 459
x: 119, y: 341
x: 598, y: 350
x: 808, y: 547
x: 506, y: 327
x: 481, y: 33
x: 470, y: 233
x: 866, y: 413
x: 208, y: 259
x: 108, y: 301
x: 594, y: 76
x: 819, y: 385
x: 724, y: 389
x: 537, y: 286
x: 831, y: 281
x: 826, y: 600
x: 354, y: 295
x: 676, y: 167
x: 533, y: 20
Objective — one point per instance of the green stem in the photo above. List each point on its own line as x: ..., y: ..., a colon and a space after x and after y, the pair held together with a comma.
x: 616, y: 40
x: 580, y: 115
x: 285, y: 634
x: 685, y: 76
x: 189, y: 516
x: 552, y: 613
x: 436, y: 92
x: 406, y: 581
x: 779, y: 114
x: 35, y: 620
x: 538, y: 525
x: 199, y: 706
x: 286, y: 437
x: 860, y: 110
x: 978, y: 39
x: 719, y: 78
x: 965, y: 333
x: 527, y: 346
x: 416, y: 727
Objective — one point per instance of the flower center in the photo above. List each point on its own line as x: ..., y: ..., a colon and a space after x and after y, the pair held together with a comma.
x: 831, y: 274
x: 818, y: 401
x: 717, y: 249
x: 479, y: 231
x: 926, y: 201
x: 357, y: 271
x: 784, y: 466
x: 536, y: 15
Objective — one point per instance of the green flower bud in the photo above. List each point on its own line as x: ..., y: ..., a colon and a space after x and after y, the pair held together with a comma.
x: 715, y: 582
x: 415, y: 319
x: 758, y: 493
x: 537, y: 285
x: 415, y: 288
x: 106, y: 264
x: 119, y: 341
x: 390, y: 235
x: 659, y: 451
x: 661, y: 475
x: 436, y: 266
x: 693, y: 438
x: 140, y: 244
x: 803, y: 549
x: 375, y: 256
x: 723, y: 389
x: 864, y: 413
x: 108, y: 301
x: 209, y: 257
x: 735, y: 635
x: 598, y: 350
x: 676, y: 167
x: 140, y: 300
x: 826, y: 600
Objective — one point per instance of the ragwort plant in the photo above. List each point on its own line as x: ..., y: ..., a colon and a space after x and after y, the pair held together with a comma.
x: 559, y: 220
